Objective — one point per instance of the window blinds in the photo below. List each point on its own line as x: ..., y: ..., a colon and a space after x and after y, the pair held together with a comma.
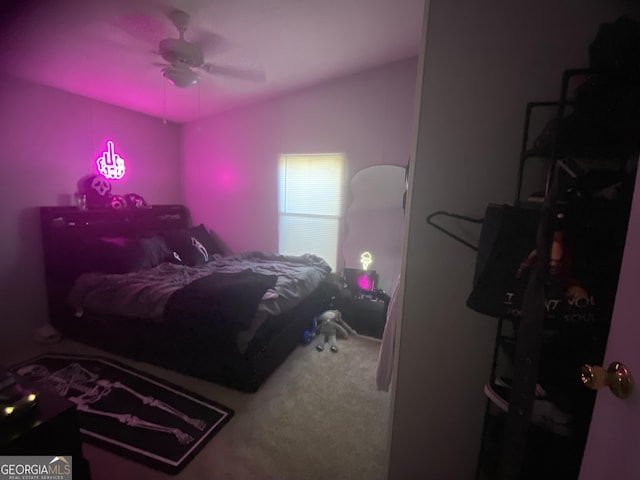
x: 310, y: 204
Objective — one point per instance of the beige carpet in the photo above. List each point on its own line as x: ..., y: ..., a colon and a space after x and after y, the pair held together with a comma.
x: 318, y: 416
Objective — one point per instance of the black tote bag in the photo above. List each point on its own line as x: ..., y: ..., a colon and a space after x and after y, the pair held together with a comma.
x: 507, y: 242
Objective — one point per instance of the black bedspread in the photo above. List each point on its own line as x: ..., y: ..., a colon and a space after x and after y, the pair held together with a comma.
x: 225, y: 300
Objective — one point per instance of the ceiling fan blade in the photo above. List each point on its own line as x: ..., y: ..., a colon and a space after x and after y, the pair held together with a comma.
x: 241, y: 73
x: 210, y: 43
x: 143, y: 29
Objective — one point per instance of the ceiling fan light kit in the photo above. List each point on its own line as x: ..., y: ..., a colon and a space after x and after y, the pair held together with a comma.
x: 180, y: 77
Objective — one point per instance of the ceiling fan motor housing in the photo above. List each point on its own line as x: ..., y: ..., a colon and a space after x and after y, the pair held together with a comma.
x: 181, y: 52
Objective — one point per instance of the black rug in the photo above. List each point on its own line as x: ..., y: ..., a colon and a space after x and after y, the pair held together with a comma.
x: 128, y: 412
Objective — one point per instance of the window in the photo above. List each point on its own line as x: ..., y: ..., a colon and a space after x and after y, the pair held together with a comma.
x: 310, y: 204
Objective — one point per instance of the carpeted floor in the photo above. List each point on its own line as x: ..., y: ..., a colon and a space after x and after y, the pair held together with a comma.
x: 319, y: 416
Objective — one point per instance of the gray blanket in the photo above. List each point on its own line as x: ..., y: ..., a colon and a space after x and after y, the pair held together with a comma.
x: 144, y: 294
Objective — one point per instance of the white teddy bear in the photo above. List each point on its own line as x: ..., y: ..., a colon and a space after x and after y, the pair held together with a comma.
x: 330, y: 325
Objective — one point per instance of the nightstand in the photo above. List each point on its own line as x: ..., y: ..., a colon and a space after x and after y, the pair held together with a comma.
x: 366, y: 316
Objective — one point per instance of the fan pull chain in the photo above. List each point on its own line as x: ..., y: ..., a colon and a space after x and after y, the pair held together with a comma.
x: 164, y: 102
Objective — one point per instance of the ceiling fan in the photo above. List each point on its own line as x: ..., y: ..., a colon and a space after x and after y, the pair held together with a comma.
x: 184, y: 58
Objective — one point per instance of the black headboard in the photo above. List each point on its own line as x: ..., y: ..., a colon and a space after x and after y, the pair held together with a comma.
x: 66, y: 222
x: 63, y: 228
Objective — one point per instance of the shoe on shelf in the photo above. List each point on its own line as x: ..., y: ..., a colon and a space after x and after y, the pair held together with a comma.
x: 545, y: 413
x: 498, y: 394
x: 507, y: 382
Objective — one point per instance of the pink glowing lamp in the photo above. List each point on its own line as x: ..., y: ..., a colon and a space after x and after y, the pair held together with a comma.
x: 110, y: 164
x: 365, y: 282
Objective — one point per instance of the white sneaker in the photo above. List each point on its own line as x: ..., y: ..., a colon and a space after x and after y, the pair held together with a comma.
x: 545, y: 413
x: 506, y: 382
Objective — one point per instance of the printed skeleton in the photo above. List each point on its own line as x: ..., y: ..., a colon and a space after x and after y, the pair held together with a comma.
x: 92, y: 388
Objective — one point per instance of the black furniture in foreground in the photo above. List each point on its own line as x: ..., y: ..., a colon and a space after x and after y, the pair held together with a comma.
x: 50, y: 429
x: 366, y: 316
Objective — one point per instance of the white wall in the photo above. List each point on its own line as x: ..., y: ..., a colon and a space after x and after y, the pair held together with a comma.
x: 483, y: 62
x: 231, y: 160
x: 48, y: 141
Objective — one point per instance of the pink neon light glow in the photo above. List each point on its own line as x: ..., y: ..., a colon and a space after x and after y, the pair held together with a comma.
x: 227, y: 179
x: 364, y: 282
x: 110, y: 164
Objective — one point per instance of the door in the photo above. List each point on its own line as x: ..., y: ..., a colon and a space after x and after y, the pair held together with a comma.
x: 613, y: 443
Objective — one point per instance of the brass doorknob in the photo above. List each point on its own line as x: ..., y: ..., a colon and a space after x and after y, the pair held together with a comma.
x: 617, y: 377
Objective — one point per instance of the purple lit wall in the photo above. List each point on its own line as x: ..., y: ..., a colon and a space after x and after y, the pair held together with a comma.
x: 231, y: 160
x: 49, y: 139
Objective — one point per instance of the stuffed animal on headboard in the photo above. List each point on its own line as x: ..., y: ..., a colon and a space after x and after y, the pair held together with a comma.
x: 97, y: 191
x: 330, y: 327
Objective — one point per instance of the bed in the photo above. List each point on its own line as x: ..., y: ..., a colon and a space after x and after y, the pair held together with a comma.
x: 147, y: 284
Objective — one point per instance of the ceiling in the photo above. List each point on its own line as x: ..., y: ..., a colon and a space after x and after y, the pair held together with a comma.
x: 108, y: 49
